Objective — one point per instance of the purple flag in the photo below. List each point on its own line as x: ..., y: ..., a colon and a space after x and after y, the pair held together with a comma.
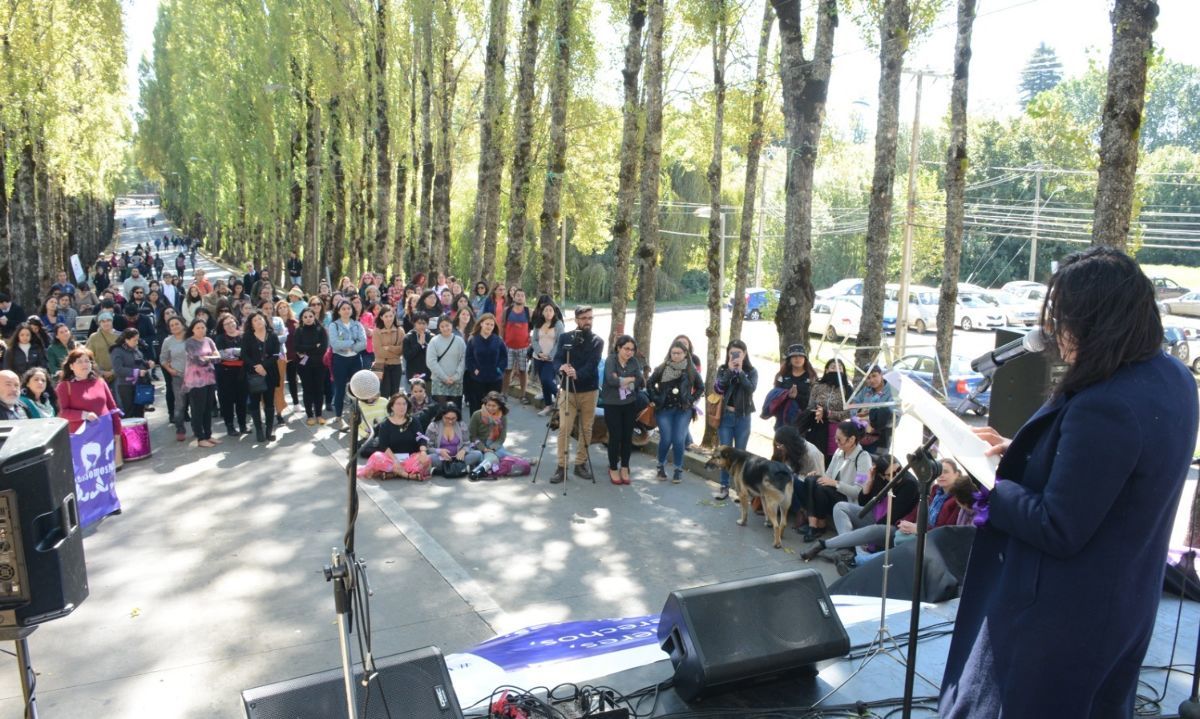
x: 93, y: 453
x: 568, y: 640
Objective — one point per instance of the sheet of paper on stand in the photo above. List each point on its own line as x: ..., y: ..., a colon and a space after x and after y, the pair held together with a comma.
x: 955, y: 438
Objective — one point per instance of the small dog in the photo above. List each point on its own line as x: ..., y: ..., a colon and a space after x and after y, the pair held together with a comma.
x: 754, y: 476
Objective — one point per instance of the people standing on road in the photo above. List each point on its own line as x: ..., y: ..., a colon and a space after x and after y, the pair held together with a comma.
x: 479, y: 297
x: 675, y: 386
x: 199, y: 381
x: 11, y: 315
x: 495, y: 305
x: 547, y: 328
x: 464, y: 323
x: 623, y: 380
x: 736, y: 382
x: 180, y: 264
x: 231, y: 377
x: 310, y: 342
x: 826, y: 407
x: 260, y: 354
x: 577, y: 359
x: 283, y: 312
x: 486, y: 360
x: 100, y: 343
x: 415, y: 347
x: 131, y: 368
x: 366, y: 317
x: 85, y: 299
x: 389, y: 352
x: 173, y: 358
x: 516, y: 338
x: 348, y: 340
x: 192, y: 301
x: 446, y: 359
x: 135, y: 280
x: 793, y: 386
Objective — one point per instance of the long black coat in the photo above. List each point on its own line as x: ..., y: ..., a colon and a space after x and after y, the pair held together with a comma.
x: 1062, y: 587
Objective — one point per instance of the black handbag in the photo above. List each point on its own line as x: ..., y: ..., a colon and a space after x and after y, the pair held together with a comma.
x: 255, y: 382
x: 454, y: 469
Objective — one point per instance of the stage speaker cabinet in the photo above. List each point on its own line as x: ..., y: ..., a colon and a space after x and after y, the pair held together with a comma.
x: 412, y: 685
x: 750, y: 630
x: 1021, y: 386
x: 43, y: 575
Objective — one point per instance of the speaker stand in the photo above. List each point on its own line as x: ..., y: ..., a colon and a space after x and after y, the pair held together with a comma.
x: 20, y: 635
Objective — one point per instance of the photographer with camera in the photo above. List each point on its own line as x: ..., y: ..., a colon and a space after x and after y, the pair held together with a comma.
x: 576, y: 360
x: 736, y: 381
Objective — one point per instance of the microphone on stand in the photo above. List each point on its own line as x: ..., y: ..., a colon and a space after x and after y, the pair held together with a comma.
x: 1033, y: 342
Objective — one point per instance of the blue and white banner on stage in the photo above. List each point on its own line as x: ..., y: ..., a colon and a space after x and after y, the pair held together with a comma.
x: 93, y: 455
x: 547, y: 654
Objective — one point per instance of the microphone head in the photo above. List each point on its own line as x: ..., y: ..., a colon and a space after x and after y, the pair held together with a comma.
x: 364, y: 385
x: 1034, y: 340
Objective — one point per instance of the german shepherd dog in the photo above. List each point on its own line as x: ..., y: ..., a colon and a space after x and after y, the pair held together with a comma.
x: 754, y: 476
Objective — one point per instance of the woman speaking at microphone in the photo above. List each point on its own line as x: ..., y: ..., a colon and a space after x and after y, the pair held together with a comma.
x: 1066, y: 571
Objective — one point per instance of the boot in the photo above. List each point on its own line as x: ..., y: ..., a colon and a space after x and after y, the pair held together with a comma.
x: 270, y: 427
x: 258, y: 429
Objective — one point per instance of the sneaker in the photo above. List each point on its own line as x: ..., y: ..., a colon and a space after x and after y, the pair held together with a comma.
x: 677, y: 476
x: 721, y: 494
x: 544, y: 411
x: 525, y: 399
x: 559, y: 476
x: 311, y: 421
x: 583, y: 471
x: 661, y: 473
x: 321, y: 420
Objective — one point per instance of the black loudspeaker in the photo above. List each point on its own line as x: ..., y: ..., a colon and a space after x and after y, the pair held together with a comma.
x: 1021, y: 386
x: 749, y: 630
x: 412, y: 685
x: 42, y: 571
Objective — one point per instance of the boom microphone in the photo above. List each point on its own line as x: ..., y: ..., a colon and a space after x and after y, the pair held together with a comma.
x: 1032, y: 343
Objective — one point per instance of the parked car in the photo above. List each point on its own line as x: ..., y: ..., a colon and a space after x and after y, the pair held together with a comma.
x: 850, y: 286
x: 756, y: 302
x: 840, y: 317
x: 1025, y: 290
x: 961, y: 380
x: 1166, y: 288
x: 1017, y: 312
x: 974, y: 312
x: 1184, y: 344
x: 922, y: 305
x: 1186, y: 305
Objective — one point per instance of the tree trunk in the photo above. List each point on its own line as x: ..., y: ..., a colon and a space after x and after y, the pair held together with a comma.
x: 1133, y: 24
x: 338, y: 240
x: 26, y: 225
x: 484, y: 228
x: 805, y: 87
x: 956, y: 183
x: 383, y: 140
x: 716, y: 227
x: 646, y: 260
x: 398, y: 237
x: 627, y: 174
x: 6, y: 268
x: 424, y: 252
x: 894, y: 32
x: 312, y: 159
x: 556, y: 162
x: 414, y: 209
x: 518, y: 196
x: 753, y: 153
x: 447, y: 89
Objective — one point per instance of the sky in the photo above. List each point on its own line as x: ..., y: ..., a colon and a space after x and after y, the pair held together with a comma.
x: 1005, y: 35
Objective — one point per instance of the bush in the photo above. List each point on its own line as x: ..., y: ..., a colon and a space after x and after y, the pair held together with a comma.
x: 694, y: 281
x: 770, y: 306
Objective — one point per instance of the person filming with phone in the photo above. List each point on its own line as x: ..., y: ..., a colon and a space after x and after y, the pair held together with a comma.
x: 1066, y: 570
x: 736, y: 382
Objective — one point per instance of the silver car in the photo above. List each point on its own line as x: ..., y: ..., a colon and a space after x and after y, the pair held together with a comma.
x: 1185, y: 305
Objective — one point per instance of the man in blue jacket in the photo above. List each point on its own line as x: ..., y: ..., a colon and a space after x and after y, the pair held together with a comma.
x: 576, y: 359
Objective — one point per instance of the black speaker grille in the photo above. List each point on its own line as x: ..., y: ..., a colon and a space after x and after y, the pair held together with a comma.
x: 412, y: 685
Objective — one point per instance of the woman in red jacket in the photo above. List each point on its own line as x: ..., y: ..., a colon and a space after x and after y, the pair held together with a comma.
x: 82, y: 395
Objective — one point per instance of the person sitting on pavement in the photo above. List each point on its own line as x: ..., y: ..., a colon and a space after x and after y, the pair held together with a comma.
x: 950, y: 503
x: 866, y: 533
x: 449, y: 439
x: 487, y: 431
x: 805, y: 462
x: 402, y: 445
x: 880, y: 419
x: 842, y: 482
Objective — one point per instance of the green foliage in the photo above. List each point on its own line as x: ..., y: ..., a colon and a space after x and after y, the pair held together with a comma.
x: 1042, y: 72
x: 694, y: 281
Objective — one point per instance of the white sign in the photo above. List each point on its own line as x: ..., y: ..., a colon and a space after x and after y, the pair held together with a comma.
x: 77, y: 268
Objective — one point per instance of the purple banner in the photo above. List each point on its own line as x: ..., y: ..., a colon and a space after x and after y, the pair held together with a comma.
x: 93, y: 453
x: 568, y: 640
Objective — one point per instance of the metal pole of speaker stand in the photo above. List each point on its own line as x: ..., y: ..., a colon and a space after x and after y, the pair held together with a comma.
x: 20, y: 636
x: 1190, y: 707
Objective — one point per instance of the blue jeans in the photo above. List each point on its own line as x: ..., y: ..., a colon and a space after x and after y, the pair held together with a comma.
x: 549, y: 380
x: 343, y: 369
x: 733, y: 430
x: 673, y: 431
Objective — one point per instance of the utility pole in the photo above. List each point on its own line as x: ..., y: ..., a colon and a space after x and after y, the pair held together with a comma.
x: 1037, y: 211
x: 562, y: 263
x: 762, y: 210
x: 910, y: 217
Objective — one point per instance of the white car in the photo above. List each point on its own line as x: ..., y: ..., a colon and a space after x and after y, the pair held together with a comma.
x: 973, y: 312
x: 1025, y: 290
x: 1017, y: 312
x: 837, y: 317
x: 849, y: 286
x: 922, y: 305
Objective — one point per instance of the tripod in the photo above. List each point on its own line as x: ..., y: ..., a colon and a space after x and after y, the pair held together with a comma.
x: 567, y: 388
x: 20, y: 635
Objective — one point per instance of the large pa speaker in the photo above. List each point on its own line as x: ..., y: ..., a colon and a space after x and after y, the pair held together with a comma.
x: 42, y: 571
x: 749, y: 630
x: 412, y: 685
x: 1020, y: 386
